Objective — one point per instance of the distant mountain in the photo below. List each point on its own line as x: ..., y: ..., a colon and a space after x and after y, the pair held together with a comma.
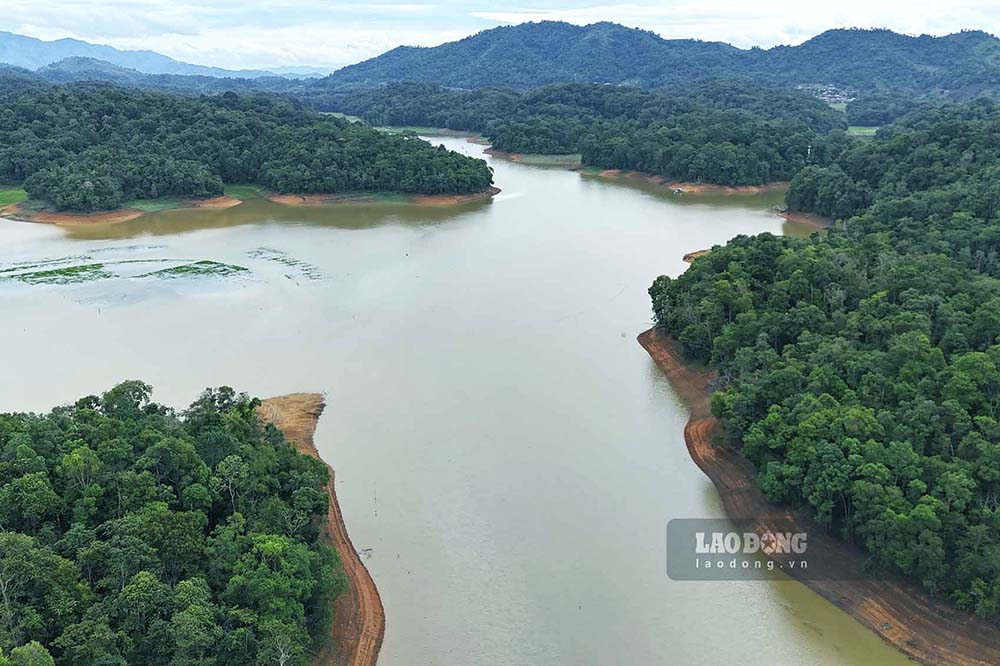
x: 534, y: 54
x: 32, y: 53
x: 78, y: 69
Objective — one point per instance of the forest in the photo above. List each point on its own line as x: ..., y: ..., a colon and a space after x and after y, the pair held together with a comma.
x: 860, y: 370
x: 136, y: 535
x: 958, y: 66
x: 729, y: 133
x: 86, y: 146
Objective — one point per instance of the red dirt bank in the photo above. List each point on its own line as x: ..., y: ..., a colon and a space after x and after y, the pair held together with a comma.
x: 899, y: 612
x: 358, y: 618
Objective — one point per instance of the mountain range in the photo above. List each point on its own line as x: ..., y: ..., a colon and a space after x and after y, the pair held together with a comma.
x: 529, y: 55
x: 860, y: 62
x: 31, y: 53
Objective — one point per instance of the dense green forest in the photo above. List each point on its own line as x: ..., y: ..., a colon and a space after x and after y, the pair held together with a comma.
x: 730, y: 133
x: 135, y: 535
x: 89, y: 146
x: 530, y: 55
x: 882, y: 108
x: 935, y: 160
x: 860, y: 371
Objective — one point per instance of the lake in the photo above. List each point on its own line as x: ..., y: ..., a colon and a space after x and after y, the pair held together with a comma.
x: 507, y: 455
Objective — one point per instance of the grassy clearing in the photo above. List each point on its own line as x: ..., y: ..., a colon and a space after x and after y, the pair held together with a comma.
x: 426, y: 131
x: 12, y: 195
x: 568, y: 161
x: 839, y: 106
x: 864, y: 132
x: 338, y: 114
x: 244, y: 192
x: 156, y: 205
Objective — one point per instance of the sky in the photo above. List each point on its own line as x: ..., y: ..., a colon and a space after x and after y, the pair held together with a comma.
x: 241, y: 34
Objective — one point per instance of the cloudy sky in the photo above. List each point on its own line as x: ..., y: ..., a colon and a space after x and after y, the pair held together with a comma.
x: 263, y: 33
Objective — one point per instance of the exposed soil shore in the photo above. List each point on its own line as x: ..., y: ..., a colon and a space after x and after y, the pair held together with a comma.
x: 21, y: 213
x: 691, y: 256
x: 358, y: 618
x: 899, y: 612
x: 366, y: 198
x: 689, y: 188
x: 809, y: 219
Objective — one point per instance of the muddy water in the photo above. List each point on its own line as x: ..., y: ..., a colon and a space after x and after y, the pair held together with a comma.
x: 507, y: 455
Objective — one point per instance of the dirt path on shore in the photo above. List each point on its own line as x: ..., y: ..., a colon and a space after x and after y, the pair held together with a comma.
x: 358, y: 618
x: 899, y: 612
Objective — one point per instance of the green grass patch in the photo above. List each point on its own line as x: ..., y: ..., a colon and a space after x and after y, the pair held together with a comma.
x: 157, y: 205
x: 338, y: 114
x: 244, y: 192
x: 569, y: 161
x: 12, y: 195
x: 839, y: 106
x: 864, y: 132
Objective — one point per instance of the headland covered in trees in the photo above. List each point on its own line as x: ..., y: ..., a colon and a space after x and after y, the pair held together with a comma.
x: 860, y: 370
x: 86, y: 147
x: 137, y: 535
x: 728, y: 133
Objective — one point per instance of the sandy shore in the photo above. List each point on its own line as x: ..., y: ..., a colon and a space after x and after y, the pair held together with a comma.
x: 362, y: 198
x: 899, y: 612
x: 358, y: 618
x: 809, y: 219
x: 691, y: 256
x: 19, y: 213
x: 691, y: 188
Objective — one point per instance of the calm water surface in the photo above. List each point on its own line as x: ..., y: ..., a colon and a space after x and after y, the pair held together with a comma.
x: 506, y: 454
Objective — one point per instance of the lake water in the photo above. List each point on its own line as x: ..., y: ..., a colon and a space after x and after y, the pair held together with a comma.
x: 506, y: 454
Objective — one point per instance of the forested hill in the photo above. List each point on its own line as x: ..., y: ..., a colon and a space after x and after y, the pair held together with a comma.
x: 85, y: 147
x: 860, y: 371
x: 133, y: 535
x: 725, y: 132
x: 537, y: 54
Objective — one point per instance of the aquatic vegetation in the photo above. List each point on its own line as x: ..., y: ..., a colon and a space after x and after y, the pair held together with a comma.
x: 304, y: 268
x: 64, y: 275
x: 203, y: 268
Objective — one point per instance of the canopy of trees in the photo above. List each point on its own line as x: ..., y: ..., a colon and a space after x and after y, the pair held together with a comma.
x: 860, y: 371
x: 945, y: 157
x: 530, y: 55
x: 729, y: 133
x: 88, y: 146
x: 134, y: 535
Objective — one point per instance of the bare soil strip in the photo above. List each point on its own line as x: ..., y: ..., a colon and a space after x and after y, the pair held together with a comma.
x: 19, y: 213
x: 693, y: 188
x: 808, y: 219
x: 364, y: 198
x: 358, y: 618
x: 691, y: 256
x: 899, y: 612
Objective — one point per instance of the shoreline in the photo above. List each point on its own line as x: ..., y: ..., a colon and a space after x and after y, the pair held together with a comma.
x: 17, y: 213
x: 807, y: 219
x: 375, y: 198
x: 900, y: 613
x: 358, y: 623
x: 688, y: 188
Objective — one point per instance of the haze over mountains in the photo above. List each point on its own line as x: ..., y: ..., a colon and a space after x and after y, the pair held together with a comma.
x: 32, y: 53
x: 958, y: 66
